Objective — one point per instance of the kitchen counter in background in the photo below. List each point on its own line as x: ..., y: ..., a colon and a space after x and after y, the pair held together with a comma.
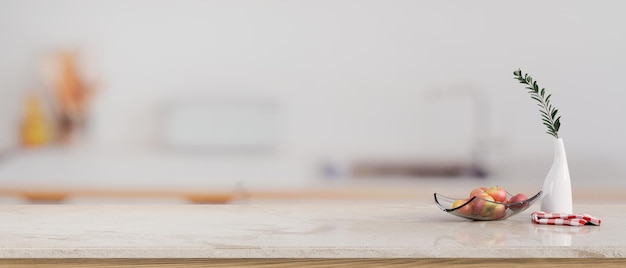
x: 87, y: 175
x: 348, y: 190
x: 339, y: 232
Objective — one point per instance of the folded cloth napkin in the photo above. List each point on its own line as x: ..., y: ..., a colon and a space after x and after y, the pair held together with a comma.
x: 541, y: 217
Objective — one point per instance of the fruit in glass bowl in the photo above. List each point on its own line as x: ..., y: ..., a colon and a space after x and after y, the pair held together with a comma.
x: 483, y: 206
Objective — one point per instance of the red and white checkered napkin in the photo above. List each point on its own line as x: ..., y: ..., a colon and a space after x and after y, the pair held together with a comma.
x: 541, y: 217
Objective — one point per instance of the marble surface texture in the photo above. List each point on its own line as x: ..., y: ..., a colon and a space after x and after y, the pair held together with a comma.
x: 296, y: 231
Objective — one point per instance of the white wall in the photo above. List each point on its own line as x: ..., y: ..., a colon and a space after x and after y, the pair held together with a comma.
x: 353, y: 76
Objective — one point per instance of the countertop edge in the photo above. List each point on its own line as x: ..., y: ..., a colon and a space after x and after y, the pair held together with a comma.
x: 315, y: 252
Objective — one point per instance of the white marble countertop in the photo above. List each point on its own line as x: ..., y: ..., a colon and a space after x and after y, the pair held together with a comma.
x: 296, y: 231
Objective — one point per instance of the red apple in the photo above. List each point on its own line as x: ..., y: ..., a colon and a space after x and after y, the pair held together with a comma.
x: 498, y: 194
x: 465, y: 210
x: 516, y: 199
x: 482, y: 206
x: 477, y: 191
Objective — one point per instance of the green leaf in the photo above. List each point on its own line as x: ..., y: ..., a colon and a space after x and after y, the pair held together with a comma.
x: 550, y: 127
x: 547, y: 111
x: 557, y: 124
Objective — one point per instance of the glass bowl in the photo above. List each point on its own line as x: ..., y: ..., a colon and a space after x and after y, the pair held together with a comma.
x: 480, y: 209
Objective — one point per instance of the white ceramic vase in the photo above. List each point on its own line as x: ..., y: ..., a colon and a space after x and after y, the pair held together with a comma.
x: 557, y: 187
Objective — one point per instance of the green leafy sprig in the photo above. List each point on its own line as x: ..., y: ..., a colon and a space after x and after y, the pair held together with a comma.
x: 548, y: 112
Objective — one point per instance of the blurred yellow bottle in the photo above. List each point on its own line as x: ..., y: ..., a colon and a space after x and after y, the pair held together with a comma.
x: 35, y: 130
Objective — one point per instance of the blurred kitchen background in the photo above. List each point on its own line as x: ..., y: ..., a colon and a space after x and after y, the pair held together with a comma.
x: 232, y: 101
